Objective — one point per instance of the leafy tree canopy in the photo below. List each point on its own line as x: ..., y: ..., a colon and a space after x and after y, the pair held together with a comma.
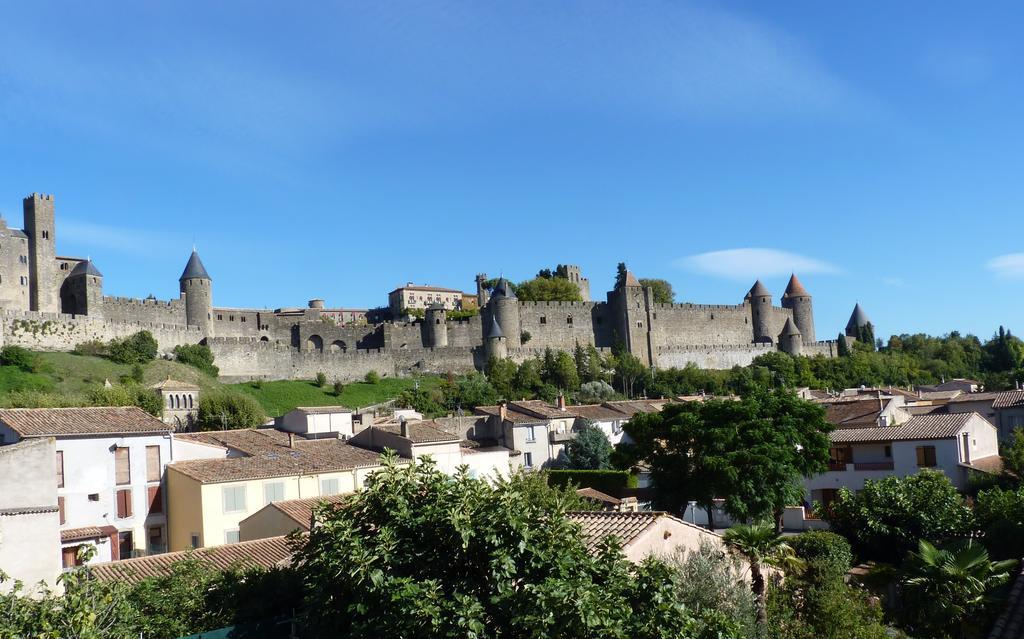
x: 548, y: 289
x: 663, y: 293
x: 589, y: 450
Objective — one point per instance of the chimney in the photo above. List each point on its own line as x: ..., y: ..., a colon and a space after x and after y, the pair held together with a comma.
x: 403, y: 427
x: 291, y: 440
x: 881, y: 406
x: 502, y: 411
x: 561, y: 401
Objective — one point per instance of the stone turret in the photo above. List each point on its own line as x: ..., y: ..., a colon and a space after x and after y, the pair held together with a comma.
x: 435, y: 323
x: 760, y: 299
x: 197, y: 286
x: 40, y: 228
x: 797, y: 299
x: 495, y: 341
x: 481, y: 292
x: 790, y: 339
x: 858, y: 319
x: 504, y: 308
x: 82, y: 291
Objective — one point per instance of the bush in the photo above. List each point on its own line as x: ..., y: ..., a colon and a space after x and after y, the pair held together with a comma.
x: 611, y: 482
x: 320, y: 380
x: 372, y: 377
x: 338, y: 388
x: 712, y: 581
x: 31, y: 398
x: 197, y: 356
x: 129, y: 394
x: 91, y: 348
x: 18, y: 356
x: 589, y: 450
x: 230, y: 410
x: 138, y: 375
x: 826, y: 553
x: 135, y: 349
x: 595, y: 392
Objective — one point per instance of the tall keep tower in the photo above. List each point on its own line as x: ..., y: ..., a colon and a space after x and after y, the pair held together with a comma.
x: 572, y: 273
x: 797, y: 299
x: 197, y: 286
x: 481, y: 292
x: 504, y: 308
x: 42, y: 263
x: 760, y: 299
x: 436, y: 325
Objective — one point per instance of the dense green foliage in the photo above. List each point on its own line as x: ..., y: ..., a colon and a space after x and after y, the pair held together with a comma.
x: 826, y: 554
x: 889, y: 516
x: 545, y: 289
x: 663, y: 293
x: 499, y: 564
x: 609, y: 482
x: 18, y: 357
x: 372, y: 377
x: 588, y: 450
x: 197, y: 355
x: 753, y: 452
x: 128, y: 394
x: 714, y: 583
x: 134, y: 349
x: 999, y: 514
x: 229, y: 410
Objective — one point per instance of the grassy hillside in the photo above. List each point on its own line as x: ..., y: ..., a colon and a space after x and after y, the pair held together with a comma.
x: 278, y: 398
x: 72, y: 375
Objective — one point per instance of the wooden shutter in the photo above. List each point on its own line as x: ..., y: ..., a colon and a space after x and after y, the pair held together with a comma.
x: 124, y: 503
x: 152, y: 463
x: 920, y: 456
x: 122, y: 466
x: 60, y: 469
x: 156, y: 501
x: 69, y: 556
x: 60, y: 509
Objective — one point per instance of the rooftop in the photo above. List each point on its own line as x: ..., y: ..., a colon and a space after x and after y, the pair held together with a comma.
x: 301, y: 510
x: 934, y: 426
x: 854, y: 413
x: 262, y: 553
x: 420, y: 432
x: 322, y: 410
x: 194, y: 269
x: 1009, y: 399
x: 626, y: 526
x: 100, y: 420
x: 174, y: 385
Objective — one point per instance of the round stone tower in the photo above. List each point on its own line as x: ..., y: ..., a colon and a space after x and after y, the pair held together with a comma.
x: 797, y: 299
x: 790, y: 339
x: 197, y: 286
x: 436, y: 324
x: 82, y: 291
x: 858, y: 320
x: 760, y: 299
x: 495, y: 341
x: 504, y: 307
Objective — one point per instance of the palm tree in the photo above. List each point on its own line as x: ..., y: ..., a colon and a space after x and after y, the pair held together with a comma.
x: 761, y: 546
x: 944, y: 589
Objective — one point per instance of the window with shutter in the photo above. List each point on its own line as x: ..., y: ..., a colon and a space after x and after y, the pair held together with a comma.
x: 122, y: 466
x: 152, y: 463
x: 60, y: 469
x: 156, y: 500
x: 124, y: 503
x: 60, y: 509
x: 926, y: 456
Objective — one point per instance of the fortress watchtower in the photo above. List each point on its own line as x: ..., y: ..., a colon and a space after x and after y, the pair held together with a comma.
x: 82, y: 291
x: 481, y: 292
x: 797, y: 299
x: 504, y: 308
x: 42, y: 252
x: 436, y: 325
x: 858, y: 320
x: 790, y: 340
x: 197, y: 286
x: 760, y: 299
x: 495, y: 342
x: 572, y: 273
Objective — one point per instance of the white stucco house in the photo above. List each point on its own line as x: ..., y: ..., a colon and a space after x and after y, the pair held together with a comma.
x: 108, y: 474
x: 29, y: 515
x: 953, y: 444
x: 317, y: 421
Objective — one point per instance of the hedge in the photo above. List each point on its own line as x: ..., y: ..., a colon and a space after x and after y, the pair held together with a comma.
x: 610, y: 482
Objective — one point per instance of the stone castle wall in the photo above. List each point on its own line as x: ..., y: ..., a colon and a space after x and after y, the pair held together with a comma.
x: 57, y: 332
x: 130, y: 309
x: 560, y: 325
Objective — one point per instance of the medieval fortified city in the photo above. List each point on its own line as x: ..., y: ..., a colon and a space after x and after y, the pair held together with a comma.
x: 440, y: 361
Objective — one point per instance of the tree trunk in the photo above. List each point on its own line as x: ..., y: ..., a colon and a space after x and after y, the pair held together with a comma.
x: 710, y: 507
x: 758, y: 586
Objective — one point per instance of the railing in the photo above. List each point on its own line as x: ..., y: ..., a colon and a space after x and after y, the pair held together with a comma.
x: 883, y: 465
x: 834, y: 465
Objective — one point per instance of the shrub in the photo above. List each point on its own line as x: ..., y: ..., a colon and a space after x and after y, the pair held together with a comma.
x: 128, y: 394
x: 825, y: 553
x: 135, y: 349
x: 595, y: 392
x: 230, y: 410
x: 611, y: 482
x: 320, y: 380
x: 525, y: 337
x: 589, y: 450
x: 18, y: 356
x: 32, y: 398
x: 197, y: 356
x: 138, y: 375
x: 372, y: 377
x: 256, y: 383
x: 338, y: 388
x: 712, y: 581
x: 91, y: 348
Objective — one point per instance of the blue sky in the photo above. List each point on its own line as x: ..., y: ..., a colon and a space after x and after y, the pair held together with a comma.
x: 342, y: 149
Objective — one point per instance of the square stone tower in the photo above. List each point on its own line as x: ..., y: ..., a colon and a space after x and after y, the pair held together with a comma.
x: 42, y: 253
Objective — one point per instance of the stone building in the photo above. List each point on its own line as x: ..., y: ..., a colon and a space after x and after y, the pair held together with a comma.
x: 180, y: 401
x: 413, y: 296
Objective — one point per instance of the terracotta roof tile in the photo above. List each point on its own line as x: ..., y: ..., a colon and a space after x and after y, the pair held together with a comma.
x: 262, y: 553
x: 301, y: 510
x: 853, y: 413
x: 919, y: 427
x: 173, y: 385
x: 87, y: 532
x: 420, y: 432
x: 626, y: 526
x: 1009, y: 399
x: 50, y: 422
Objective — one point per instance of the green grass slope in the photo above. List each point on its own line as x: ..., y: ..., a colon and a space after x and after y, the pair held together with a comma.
x: 277, y: 398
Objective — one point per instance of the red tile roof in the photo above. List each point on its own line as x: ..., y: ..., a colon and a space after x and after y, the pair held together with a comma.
x: 301, y: 510
x: 101, y: 420
x: 935, y: 426
x: 626, y: 526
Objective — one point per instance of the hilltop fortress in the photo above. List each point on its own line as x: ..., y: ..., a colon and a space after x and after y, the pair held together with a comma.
x: 50, y: 302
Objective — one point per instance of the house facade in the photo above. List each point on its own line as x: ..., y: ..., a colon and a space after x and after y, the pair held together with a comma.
x: 29, y: 514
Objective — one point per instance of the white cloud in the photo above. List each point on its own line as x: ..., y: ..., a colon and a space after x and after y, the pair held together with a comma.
x: 753, y: 263
x: 1009, y: 265
x: 86, y: 235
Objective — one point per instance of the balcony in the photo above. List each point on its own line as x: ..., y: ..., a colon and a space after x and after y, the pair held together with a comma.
x: 843, y: 467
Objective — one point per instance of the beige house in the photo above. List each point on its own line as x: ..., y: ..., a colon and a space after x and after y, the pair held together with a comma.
x: 30, y: 515
x: 413, y: 296
x: 283, y: 517
x: 208, y: 498
x: 642, y: 534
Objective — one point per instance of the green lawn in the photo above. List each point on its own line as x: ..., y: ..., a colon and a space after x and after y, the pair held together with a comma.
x: 277, y: 398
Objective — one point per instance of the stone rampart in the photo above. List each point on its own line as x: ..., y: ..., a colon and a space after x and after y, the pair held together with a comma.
x: 58, y: 332
x: 720, y: 356
x: 130, y: 309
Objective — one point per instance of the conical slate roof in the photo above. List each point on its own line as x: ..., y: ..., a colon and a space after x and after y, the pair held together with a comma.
x: 857, y: 319
x: 795, y: 288
x: 503, y: 288
x: 790, y: 328
x: 759, y: 290
x: 495, y: 330
x: 195, y: 270
x: 85, y: 268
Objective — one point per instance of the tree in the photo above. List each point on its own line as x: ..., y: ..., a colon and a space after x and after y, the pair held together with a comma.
x: 339, y: 388
x: 589, y: 450
x: 843, y: 346
x: 321, y: 380
x: 138, y: 375
x: 866, y: 336
x: 1013, y: 455
x: 544, y: 289
x: 946, y: 590
x: 229, y: 410
x: 885, y: 519
x: 663, y: 293
x: 197, y: 355
x: 560, y: 371
x: 713, y: 583
x: 134, y: 349
x: 595, y: 392
x: 629, y: 370
x: 620, y: 275
x: 501, y: 373
x: 761, y: 546
x: 753, y: 452
x: 469, y: 391
x: 420, y: 554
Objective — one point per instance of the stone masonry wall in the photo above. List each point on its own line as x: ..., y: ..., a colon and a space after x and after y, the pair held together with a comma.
x: 56, y: 332
x: 129, y: 309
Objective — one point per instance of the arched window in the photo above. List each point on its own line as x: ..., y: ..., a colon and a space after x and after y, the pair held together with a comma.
x: 190, y: 404
x: 170, y: 401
